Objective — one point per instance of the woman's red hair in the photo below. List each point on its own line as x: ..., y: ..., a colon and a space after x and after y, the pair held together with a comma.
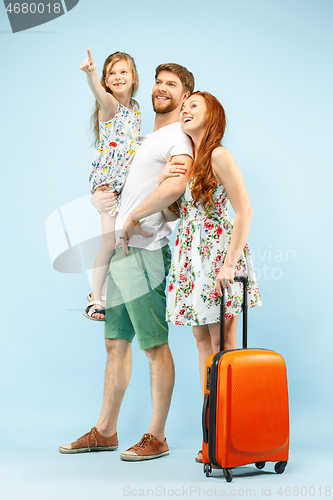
x: 201, y: 174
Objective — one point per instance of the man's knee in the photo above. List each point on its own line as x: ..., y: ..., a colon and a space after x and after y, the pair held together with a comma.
x: 117, y: 347
x: 157, y: 352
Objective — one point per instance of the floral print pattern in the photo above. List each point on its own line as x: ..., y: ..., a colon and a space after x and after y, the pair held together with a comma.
x: 201, y: 246
x: 118, y: 143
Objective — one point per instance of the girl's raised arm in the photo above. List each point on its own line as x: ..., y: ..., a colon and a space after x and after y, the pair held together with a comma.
x: 107, y: 102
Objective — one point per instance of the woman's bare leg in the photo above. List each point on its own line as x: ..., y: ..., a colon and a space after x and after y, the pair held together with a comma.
x: 205, y: 349
x: 208, y: 342
x: 230, y: 341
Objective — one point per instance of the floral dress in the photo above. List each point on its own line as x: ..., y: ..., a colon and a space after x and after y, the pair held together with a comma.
x: 201, y: 246
x: 118, y: 143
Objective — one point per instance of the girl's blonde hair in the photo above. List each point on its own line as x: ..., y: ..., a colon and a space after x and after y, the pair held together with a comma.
x: 111, y: 60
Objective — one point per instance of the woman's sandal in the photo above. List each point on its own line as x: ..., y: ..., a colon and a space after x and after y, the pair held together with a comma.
x: 198, y: 459
x: 90, y: 310
x: 103, y: 297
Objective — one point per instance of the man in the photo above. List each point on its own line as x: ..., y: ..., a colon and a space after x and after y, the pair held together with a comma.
x: 136, y: 288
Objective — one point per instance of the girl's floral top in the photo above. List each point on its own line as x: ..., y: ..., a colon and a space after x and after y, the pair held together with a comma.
x: 201, y: 246
x: 118, y: 143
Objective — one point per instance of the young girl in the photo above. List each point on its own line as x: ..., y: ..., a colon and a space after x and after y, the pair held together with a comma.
x: 117, y: 125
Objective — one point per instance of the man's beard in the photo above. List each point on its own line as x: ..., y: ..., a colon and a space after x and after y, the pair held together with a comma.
x: 161, y: 107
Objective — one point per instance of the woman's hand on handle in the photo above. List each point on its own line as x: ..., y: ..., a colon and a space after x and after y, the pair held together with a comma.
x: 88, y: 64
x: 225, y: 277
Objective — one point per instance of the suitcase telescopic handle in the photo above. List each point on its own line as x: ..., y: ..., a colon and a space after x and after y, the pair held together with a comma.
x: 204, y: 418
x: 222, y: 318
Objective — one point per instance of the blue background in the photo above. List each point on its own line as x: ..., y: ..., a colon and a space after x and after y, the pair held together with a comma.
x: 268, y: 63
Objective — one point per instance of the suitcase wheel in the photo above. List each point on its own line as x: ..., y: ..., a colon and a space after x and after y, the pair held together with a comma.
x: 279, y: 467
x: 228, y: 475
x: 207, y: 469
x: 260, y: 465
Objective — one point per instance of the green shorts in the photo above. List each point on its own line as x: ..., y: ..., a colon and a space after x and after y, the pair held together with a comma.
x: 136, y: 302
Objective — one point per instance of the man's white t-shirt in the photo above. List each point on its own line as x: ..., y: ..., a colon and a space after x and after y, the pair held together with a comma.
x: 142, y: 180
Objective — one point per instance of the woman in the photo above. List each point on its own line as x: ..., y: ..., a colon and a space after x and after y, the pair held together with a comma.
x: 210, y: 247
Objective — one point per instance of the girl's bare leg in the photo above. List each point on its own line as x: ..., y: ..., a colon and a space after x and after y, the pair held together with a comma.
x: 103, y: 258
x: 103, y: 294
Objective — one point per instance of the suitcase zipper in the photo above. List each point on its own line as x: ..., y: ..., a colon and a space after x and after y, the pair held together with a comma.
x: 212, y: 407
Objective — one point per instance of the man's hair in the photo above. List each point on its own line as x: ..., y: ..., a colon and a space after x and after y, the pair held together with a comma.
x: 184, y: 75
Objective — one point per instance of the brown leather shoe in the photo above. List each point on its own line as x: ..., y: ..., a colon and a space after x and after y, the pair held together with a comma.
x: 92, y: 441
x: 148, y: 448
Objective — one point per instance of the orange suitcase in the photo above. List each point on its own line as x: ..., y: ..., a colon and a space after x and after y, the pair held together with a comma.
x: 245, y: 416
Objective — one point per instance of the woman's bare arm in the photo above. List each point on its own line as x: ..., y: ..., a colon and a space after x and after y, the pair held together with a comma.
x: 229, y: 175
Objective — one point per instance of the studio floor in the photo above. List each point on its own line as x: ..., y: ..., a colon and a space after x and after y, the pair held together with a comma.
x: 45, y: 474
